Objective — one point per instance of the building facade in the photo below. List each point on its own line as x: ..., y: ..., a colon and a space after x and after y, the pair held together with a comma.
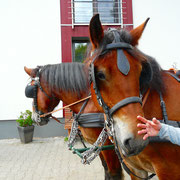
x: 75, y: 16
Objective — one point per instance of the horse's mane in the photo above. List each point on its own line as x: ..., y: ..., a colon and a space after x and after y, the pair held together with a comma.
x: 156, y: 82
x: 65, y: 76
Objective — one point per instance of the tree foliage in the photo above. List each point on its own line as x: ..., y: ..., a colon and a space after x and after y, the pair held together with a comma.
x: 80, y: 51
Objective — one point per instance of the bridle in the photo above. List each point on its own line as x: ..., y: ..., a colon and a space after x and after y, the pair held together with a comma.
x: 31, y: 92
x: 124, y: 67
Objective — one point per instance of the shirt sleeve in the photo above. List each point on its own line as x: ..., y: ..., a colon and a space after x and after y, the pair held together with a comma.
x: 170, y: 133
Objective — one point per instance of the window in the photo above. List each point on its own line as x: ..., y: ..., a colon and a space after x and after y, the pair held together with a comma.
x: 83, y: 10
x: 79, y: 48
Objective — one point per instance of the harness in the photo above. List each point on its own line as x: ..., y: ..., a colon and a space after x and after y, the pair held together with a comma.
x: 93, y: 120
x: 96, y: 119
x: 124, y: 68
x: 108, y: 130
x: 175, y: 75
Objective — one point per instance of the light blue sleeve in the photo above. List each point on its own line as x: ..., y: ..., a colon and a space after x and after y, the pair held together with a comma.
x: 170, y: 133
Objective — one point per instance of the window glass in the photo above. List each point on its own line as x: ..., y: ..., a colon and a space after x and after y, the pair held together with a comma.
x: 109, y: 10
x: 79, y: 51
x: 83, y: 11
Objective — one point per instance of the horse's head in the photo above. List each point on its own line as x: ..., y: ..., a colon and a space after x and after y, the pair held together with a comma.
x: 43, y: 101
x: 118, y: 72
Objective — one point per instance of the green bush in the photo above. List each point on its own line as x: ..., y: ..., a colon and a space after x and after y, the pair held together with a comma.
x: 25, y: 119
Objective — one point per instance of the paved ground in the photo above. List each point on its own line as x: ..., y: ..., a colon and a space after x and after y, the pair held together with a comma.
x: 44, y: 159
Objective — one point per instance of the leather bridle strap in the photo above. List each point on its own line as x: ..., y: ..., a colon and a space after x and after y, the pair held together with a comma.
x: 125, y: 102
x: 35, y: 89
x: 119, y: 45
x: 120, y: 104
x: 109, y: 112
x: 126, y: 167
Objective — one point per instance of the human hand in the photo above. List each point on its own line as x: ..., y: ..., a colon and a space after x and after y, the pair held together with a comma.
x: 149, y: 128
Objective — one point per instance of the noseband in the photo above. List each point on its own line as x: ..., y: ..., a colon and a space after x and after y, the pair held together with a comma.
x: 124, y: 68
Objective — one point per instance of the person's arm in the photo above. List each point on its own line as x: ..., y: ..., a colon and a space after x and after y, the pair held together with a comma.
x: 170, y: 133
x: 155, y: 128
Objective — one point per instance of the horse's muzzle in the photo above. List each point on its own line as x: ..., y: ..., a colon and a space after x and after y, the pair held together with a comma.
x: 129, y: 143
x: 41, y: 121
x: 132, y: 147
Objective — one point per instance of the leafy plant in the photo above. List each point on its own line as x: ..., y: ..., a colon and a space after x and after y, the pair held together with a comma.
x: 25, y: 119
x: 66, y: 139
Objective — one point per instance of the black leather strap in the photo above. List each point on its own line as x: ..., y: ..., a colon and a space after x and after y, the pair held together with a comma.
x: 29, y: 91
x: 122, y: 62
x: 93, y: 120
x: 175, y: 76
x: 119, y: 45
x: 124, y: 165
x: 125, y: 102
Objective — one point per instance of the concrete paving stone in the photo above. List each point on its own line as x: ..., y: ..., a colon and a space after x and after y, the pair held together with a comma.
x: 45, y: 159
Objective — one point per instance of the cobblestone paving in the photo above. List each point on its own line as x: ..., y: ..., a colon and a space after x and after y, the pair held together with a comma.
x: 45, y: 159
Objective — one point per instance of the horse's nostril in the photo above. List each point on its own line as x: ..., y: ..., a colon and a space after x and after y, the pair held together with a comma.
x: 127, y: 143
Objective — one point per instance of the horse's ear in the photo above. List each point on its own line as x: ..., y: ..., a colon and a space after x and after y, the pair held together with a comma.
x: 137, y: 32
x: 96, y: 31
x: 28, y: 71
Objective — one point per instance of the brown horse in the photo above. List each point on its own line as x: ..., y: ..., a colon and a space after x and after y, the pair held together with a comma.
x: 120, y: 73
x: 67, y: 82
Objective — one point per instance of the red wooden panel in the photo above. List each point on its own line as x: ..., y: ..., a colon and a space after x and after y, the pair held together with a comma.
x: 127, y: 12
x: 65, y: 11
x: 66, y: 39
x: 82, y: 31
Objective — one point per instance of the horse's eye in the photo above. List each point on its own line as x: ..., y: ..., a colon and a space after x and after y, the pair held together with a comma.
x: 100, y: 76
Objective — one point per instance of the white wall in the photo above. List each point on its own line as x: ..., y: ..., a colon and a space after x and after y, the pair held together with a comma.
x: 162, y: 34
x: 29, y: 36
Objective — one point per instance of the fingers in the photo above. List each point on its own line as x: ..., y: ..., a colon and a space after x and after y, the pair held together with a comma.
x: 141, y: 125
x: 142, y: 119
x: 155, y: 121
x: 145, y: 136
x: 143, y: 131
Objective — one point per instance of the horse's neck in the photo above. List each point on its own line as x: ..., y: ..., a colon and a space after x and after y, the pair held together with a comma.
x: 171, y: 97
x: 70, y: 97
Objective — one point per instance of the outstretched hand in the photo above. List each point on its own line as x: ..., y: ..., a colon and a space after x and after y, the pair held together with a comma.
x: 149, y: 128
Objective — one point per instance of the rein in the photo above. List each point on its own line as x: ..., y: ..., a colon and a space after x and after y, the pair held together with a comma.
x: 76, y: 102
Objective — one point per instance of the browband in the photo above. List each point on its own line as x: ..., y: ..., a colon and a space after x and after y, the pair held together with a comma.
x: 118, y: 45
